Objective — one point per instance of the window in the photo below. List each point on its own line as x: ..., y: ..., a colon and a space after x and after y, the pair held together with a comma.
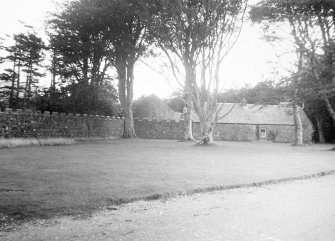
x: 263, y: 133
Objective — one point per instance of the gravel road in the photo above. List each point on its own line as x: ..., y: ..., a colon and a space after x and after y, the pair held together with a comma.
x: 301, y: 210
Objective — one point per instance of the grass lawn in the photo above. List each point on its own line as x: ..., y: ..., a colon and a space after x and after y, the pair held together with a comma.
x: 63, y: 180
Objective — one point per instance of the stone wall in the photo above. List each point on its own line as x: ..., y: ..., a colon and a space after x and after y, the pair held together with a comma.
x: 28, y: 124
x: 35, y: 124
x: 229, y: 132
x: 159, y: 129
x: 249, y: 132
x: 174, y: 130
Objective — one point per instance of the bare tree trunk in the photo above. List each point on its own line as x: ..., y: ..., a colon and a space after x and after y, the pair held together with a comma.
x: 24, y: 106
x: 330, y: 109
x: 321, y: 133
x: 188, y: 121
x: 206, y: 132
x: 85, y: 71
x: 30, y: 82
x: 129, y: 130
x: 188, y: 91
x: 298, y: 126
x: 126, y: 82
x: 18, y: 81
x: 11, y: 95
x: 53, y: 81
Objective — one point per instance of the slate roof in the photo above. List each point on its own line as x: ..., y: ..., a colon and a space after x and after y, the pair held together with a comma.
x: 255, y: 114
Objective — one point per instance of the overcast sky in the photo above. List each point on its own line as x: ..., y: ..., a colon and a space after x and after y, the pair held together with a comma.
x: 248, y: 63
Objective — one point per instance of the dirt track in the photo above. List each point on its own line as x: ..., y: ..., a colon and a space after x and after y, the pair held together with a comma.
x: 301, y: 210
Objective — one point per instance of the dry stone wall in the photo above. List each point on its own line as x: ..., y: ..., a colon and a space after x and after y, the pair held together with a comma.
x: 28, y: 124
x: 229, y: 132
x: 250, y: 132
x: 159, y: 129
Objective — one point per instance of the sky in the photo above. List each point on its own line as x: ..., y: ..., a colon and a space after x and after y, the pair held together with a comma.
x: 251, y: 60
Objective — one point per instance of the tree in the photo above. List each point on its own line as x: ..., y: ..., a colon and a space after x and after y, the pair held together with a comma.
x: 25, y: 56
x: 80, y: 47
x: 11, y: 76
x: 312, y: 29
x: 103, y: 32
x: 79, y: 44
x: 197, y: 35
x: 128, y: 35
x: 33, y: 47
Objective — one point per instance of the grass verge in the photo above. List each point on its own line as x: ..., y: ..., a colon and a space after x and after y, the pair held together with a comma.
x: 19, y: 142
x: 169, y: 195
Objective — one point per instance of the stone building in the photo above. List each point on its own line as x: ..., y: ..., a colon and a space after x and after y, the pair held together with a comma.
x: 249, y: 122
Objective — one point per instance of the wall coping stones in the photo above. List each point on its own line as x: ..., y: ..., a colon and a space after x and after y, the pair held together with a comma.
x: 28, y: 123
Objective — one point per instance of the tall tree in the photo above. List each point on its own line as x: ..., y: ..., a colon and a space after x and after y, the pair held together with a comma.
x: 312, y: 29
x: 79, y: 47
x: 33, y: 55
x: 197, y: 35
x: 103, y: 34
x: 128, y: 34
x: 10, y: 75
x: 25, y: 55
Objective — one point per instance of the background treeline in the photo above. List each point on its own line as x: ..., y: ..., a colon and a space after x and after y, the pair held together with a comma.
x: 75, y: 81
x: 70, y: 88
x: 92, y: 43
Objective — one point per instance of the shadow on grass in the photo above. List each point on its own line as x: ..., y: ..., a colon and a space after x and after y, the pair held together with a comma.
x: 205, y: 145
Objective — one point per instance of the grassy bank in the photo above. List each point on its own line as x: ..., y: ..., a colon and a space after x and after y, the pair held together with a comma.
x: 19, y: 142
